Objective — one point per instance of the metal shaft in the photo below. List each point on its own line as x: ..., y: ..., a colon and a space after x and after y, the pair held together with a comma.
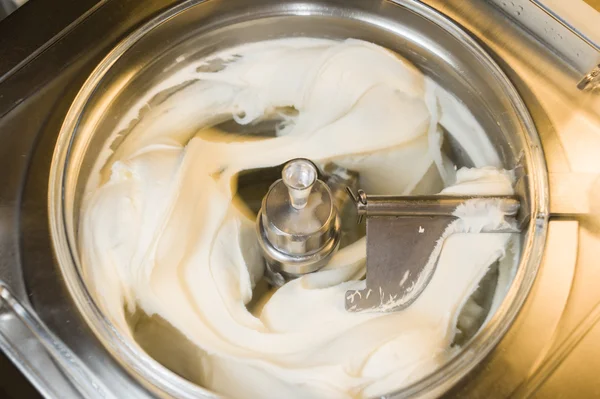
x: 430, y: 205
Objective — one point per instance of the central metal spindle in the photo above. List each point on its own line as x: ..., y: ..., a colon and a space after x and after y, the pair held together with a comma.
x: 298, y: 223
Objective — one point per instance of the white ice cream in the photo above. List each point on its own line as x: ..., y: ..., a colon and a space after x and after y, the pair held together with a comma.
x: 163, y: 232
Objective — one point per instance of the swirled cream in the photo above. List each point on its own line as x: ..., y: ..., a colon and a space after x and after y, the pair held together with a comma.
x: 164, y: 234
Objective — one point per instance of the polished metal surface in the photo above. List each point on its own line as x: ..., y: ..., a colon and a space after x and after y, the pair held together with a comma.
x: 299, y: 229
x: 298, y: 226
x: 569, y: 28
x: 283, y: 266
x: 427, y: 205
x: 34, y: 29
x: 7, y: 7
x: 20, y: 333
x: 550, y: 351
x: 590, y: 81
x: 394, y: 272
x: 298, y: 221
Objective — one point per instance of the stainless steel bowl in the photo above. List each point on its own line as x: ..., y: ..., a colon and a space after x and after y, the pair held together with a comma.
x: 198, y: 28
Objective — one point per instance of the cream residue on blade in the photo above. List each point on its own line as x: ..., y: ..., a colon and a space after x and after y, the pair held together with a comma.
x: 163, y: 231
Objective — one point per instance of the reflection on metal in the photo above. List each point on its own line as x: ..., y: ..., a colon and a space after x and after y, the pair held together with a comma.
x: 7, y: 7
x: 569, y: 28
x: 298, y: 225
x: 591, y: 81
x: 36, y: 351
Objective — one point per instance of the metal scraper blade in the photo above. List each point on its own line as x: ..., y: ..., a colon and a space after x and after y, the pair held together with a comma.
x: 402, y: 234
x: 398, y: 249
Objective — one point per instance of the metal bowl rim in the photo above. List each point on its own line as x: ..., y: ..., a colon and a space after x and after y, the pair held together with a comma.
x: 142, y: 365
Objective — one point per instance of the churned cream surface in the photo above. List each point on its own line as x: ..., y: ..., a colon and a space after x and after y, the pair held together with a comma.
x: 163, y: 232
